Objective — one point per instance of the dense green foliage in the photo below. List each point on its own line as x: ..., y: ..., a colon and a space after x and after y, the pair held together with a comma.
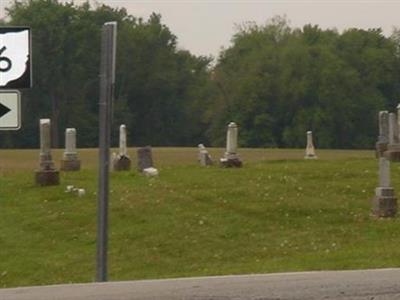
x: 275, y: 81
x: 155, y: 85
x: 278, y: 82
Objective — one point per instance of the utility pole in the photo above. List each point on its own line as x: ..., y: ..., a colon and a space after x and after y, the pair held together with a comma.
x: 107, y: 82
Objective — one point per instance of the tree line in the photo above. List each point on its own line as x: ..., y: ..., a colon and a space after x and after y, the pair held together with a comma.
x: 275, y: 81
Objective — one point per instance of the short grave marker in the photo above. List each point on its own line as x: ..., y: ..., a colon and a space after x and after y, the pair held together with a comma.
x: 70, y: 161
x: 231, y: 158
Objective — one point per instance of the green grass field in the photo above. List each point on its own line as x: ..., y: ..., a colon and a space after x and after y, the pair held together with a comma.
x: 278, y: 213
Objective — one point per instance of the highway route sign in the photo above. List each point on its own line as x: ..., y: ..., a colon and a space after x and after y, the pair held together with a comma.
x: 15, y: 58
x: 10, y: 110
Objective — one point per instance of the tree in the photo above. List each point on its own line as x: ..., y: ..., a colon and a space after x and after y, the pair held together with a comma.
x: 278, y: 83
x: 157, y: 85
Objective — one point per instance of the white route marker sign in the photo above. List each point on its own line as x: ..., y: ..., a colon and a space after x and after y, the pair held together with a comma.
x: 10, y: 110
x: 15, y: 58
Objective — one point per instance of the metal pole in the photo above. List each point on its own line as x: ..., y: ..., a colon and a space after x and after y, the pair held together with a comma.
x: 107, y: 80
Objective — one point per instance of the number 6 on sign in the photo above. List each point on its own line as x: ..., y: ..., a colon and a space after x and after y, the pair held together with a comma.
x: 5, y: 60
x: 15, y: 57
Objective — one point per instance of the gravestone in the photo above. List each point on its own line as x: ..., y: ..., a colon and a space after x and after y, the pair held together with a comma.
x: 231, y: 158
x: 393, y: 129
x: 398, y: 122
x: 47, y: 173
x: 145, y: 161
x: 384, y: 203
x: 310, y: 150
x: 383, y: 138
x: 393, y: 148
x: 122, y: 162
x: 70, y: 161
x: 204, y: 157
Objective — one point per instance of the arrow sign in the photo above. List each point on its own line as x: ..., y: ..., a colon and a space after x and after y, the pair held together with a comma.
x: 3, y: 110
x: 10, y: 110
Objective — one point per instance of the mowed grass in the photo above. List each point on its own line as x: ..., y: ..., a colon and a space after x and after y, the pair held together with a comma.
x: 278, y: 213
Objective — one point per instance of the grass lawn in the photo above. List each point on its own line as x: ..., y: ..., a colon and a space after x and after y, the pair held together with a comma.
x: 278, y: 213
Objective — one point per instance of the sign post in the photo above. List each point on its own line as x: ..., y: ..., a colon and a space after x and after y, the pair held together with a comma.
x: 107, y: 80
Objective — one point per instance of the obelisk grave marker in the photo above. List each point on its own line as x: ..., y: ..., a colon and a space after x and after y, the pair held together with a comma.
x: 384, y: 203
x: 47, y: 173
x: 310, y: 149
x: 122, y: 162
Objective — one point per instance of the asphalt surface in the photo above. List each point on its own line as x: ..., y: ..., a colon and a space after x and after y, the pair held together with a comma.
x: 367, y: 284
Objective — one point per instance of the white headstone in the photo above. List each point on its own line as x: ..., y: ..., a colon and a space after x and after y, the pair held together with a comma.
x: 70, y: 144
x: 231, y: 139
x: 70, y: 140
x: 122, y: 141
x: 310, y: 150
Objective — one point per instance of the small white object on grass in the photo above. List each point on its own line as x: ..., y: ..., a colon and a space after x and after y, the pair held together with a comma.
x: 69, y: 188
x: 150, y: 172
x: 81, y: 192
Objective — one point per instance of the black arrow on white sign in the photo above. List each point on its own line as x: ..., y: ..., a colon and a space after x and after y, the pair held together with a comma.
x: 3, y: 110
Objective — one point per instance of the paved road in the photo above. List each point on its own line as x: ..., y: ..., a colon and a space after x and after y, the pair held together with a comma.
x: 367, y: 284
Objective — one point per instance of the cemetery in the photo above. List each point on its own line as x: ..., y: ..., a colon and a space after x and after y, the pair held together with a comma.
x: 279, y: 212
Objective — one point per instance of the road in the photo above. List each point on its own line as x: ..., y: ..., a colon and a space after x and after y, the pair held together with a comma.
x: 367, y: 284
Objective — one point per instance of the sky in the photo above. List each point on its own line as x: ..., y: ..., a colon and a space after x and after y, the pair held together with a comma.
x: 205, y: 26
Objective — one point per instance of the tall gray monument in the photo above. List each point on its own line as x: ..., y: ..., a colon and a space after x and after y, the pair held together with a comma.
x: 393, y: 148
x: 383, y: 138
x: 47, y: 173
x: 70, y: 161
x: 231, y: 158
x: 384, y: 203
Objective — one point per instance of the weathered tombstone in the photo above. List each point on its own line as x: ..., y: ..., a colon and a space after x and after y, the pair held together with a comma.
x: 383, y: 138
x: 231, y: 158
x: 384, y: 204
x: 122, y: 162
x: 393, y: 129
x: 310, y: 150
x: 398, y: 122
x: 47, y: 173
x: 204, y: 157
x: 145, y: 161
x: 393, y: 148
x: 70, y: 161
